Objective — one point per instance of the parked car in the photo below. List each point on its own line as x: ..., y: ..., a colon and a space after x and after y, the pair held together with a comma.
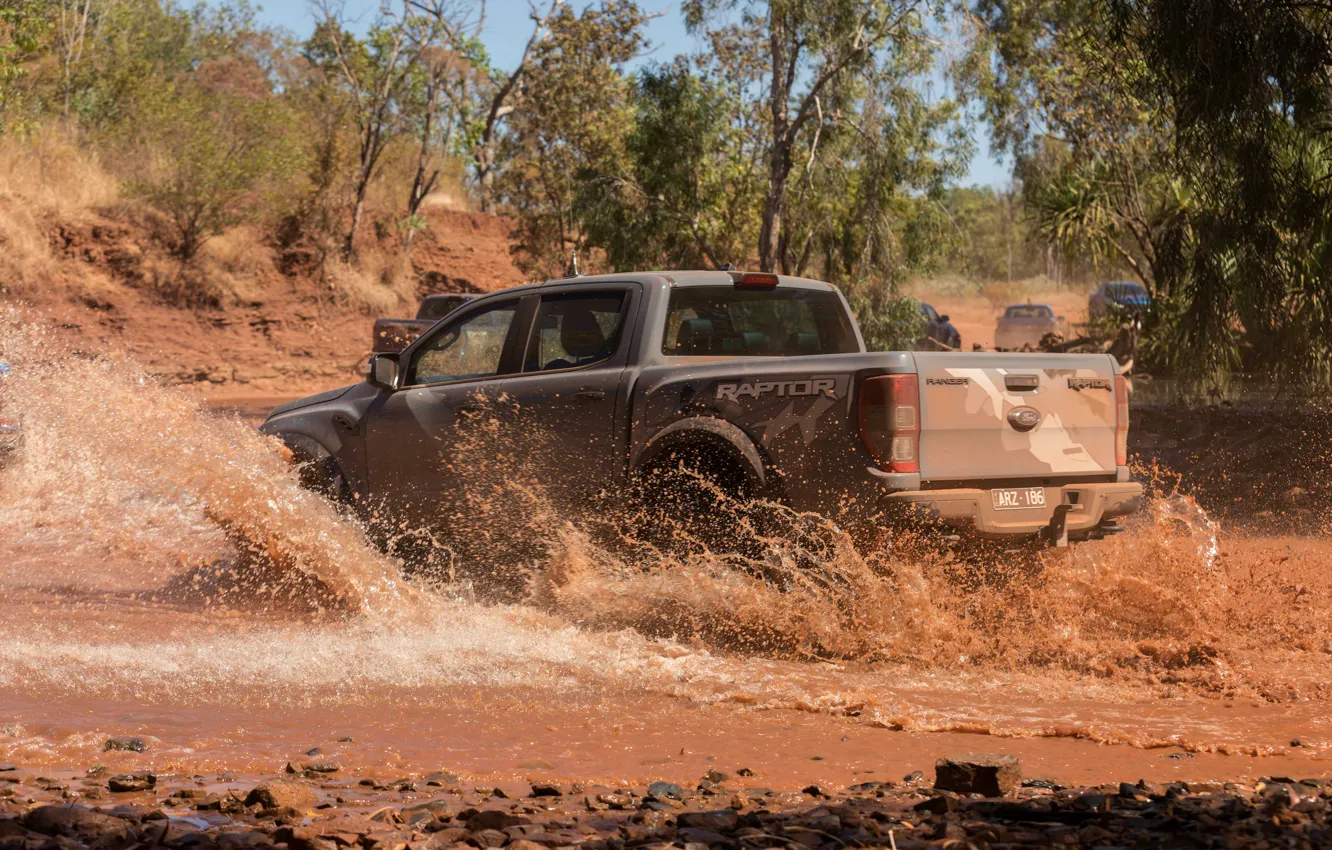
x: 397, y: 334
x: 1024, y: 325
x: 1123, y: 296
x: 758, y: 383
x: 939, y: 332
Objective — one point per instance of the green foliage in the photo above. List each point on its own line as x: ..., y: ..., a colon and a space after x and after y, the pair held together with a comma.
x: 23, y: 26
x: 571, y: 128
x: 211, y: 157
x: 1247, y: 87
x: 990, y: 236
x: 675, y: 205
x: 887, y: 322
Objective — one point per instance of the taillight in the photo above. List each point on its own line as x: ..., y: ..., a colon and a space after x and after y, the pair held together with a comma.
x: 890, y: 421
x: 1121, y: 420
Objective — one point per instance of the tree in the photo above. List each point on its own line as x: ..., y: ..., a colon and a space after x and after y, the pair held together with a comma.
x: 505, y: 89
x: 209, y: 155
x: 374, y: 73
x: 808, y: 51
x: 571, y: 127
x: 23, y: 23
x: 682, y: 199
x: 1093, y: 154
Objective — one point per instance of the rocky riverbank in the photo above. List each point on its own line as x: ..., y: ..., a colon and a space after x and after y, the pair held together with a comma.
x: 313, y: 808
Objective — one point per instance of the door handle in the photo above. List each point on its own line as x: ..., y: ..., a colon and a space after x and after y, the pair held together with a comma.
x: 588, y: 395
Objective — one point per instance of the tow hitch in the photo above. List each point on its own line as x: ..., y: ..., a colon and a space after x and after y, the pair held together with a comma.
x: 1056, y: 533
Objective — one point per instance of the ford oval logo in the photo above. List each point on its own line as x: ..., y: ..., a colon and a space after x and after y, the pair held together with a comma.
x: 1024, y: 418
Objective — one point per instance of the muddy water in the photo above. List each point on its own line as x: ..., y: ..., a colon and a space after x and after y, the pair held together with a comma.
x: 162, y: 575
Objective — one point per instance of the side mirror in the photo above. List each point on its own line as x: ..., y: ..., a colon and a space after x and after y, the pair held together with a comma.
x: 383, y: 371
x: 944, y: 318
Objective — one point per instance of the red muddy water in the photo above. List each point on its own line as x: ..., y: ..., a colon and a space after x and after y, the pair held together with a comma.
x: 1176, y: 651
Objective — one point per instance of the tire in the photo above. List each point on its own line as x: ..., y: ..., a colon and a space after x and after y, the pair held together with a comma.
x: 693, y: 499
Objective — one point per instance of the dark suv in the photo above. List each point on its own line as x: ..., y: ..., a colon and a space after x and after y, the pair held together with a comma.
x: 939, y: 332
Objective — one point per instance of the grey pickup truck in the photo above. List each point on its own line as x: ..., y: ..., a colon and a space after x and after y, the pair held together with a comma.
x: 397, y: 334
x: 761, y: 383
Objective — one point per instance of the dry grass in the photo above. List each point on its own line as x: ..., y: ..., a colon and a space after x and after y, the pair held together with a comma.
x: 50, y: 170
x: 380, y: 284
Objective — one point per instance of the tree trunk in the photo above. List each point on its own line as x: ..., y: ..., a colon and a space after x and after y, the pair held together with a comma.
x: 349, y: 246
x: 485, y: 172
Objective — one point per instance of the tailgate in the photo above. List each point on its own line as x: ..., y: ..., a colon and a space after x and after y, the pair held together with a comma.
x: 1064, y: 424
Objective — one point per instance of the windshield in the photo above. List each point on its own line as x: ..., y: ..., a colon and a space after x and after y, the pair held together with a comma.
x: 1126, y: 291
x: 711, y: 321
x: 1029, y: 311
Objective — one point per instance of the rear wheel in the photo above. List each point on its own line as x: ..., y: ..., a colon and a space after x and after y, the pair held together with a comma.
x: 693, y: 498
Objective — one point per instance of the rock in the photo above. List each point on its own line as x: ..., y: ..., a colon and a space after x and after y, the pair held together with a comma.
x: 282, y: 794
x: 524, y: 844
x: 486, y: 838
x: 668, y: 790
x: 1130, y: 792
x: 1046, y: 784
x: 914, y: 776
x: 723, y: 820
x: 937, y: 805
x: 440, y: 779
x: 815, y: 791
x: 716, y: 776
x: 302, y: 838
x: 616, y: 801
x: 130, y: 782
x: 744, y: 771
x: 74, y: 821
x: 493, y: 819
x: 701, y: 837
x: 987, y: 774
x: 546, y: 789
x: 6, y: 767
x: 133, y: 745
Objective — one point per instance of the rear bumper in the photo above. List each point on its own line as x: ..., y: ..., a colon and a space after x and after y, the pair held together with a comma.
x: 1088, y: 505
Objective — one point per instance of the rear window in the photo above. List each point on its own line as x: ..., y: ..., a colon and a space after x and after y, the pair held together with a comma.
x: 439, y: 307
x: 1029, y: 311
x: 711, y: 321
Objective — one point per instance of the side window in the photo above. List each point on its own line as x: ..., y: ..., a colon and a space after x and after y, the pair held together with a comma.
x: 470, y: 348
x: 577, y: 329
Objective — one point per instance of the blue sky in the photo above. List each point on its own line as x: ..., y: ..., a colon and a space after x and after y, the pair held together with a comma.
x: 508, y: 27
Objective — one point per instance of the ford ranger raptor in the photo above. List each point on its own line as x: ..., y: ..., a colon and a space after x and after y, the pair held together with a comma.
x: 761, y: 383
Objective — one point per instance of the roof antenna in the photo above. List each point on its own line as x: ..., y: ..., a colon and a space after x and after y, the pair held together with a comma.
x: 572, y: 270
x: 726, y: 267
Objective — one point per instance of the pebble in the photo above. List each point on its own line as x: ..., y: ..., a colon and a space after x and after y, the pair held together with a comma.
x: 134, y: 745
x: 1277, y: 810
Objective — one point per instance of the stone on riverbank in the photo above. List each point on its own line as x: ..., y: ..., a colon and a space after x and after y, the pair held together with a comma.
x: 987, y: 774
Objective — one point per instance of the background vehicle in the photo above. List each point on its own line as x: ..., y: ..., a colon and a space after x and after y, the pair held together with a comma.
x: 1124, y: 296
x: 397, y: 334
x: 1024, y: 325
x: 939, y: 331
x: 759, y: 383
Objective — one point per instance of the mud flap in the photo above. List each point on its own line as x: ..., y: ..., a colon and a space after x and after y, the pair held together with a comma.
x: 1056, y: 533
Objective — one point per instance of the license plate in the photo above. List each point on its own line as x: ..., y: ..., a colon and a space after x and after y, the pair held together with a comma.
x: 1018, y: 498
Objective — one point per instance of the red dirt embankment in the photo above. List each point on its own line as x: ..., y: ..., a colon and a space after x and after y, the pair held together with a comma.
x: 247, y: 317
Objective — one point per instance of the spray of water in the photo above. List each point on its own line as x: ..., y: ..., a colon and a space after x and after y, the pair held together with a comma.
x: 131, y: 501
